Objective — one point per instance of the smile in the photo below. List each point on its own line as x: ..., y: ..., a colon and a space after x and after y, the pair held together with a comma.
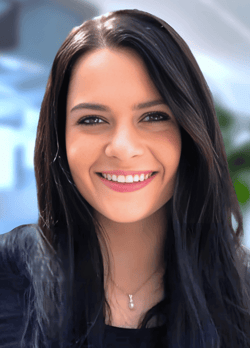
x: 126, y: 187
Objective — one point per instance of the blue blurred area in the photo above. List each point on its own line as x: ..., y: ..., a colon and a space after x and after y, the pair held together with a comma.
x: 33, y: 32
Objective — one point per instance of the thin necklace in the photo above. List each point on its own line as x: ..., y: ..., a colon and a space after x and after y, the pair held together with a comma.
x: 131, y: 304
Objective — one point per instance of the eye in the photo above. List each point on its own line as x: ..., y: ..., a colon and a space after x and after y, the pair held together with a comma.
x: 160, y: 115
x: 83, y: 120
x: 152, y: 117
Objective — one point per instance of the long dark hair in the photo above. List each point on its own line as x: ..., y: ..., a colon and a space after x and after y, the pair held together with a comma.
x: 207, y: 291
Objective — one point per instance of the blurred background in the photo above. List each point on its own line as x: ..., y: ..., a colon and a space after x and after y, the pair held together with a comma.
x: 31, y: 32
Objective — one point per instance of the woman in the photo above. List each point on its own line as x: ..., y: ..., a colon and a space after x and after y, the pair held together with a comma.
x: 129, y: 163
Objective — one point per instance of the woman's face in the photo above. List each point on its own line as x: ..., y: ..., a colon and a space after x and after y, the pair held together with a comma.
x: 121, y: 138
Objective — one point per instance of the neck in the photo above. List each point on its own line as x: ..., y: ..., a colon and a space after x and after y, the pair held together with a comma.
x: 136, y: 250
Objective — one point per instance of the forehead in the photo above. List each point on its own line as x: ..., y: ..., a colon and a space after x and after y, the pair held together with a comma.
x: 99, y: 58
x: 111, y: 72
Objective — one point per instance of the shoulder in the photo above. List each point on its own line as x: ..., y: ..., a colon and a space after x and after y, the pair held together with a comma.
x: 15, y: 247
x: 24, y: 263
x: 14, y: 282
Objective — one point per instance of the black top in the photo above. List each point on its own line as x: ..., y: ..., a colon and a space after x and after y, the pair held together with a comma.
x: 115, y: 337
x: 20, y: 253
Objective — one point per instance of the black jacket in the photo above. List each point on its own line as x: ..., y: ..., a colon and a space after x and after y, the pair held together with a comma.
x: 19, y: 254
x: 20, y: 257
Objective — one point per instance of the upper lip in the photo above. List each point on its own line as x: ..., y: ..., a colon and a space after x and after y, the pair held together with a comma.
x: 129, y: 172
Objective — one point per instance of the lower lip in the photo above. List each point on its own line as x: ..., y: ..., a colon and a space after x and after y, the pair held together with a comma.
x: 120, y: 187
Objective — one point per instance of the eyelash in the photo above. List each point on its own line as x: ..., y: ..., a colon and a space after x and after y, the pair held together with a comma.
x: 165, y: 116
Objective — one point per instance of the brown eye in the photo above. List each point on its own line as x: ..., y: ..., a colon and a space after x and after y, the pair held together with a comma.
x: 153, y: 117
x: 157, y: 115
x: 82, y: 121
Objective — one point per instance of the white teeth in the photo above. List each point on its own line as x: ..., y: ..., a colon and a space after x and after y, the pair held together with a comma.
x: 128, y: 178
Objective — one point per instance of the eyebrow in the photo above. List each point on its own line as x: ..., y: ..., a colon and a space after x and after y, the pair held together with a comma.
x: 101, y: 107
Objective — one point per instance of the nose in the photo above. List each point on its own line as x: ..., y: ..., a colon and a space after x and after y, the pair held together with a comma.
x: 125, y: 143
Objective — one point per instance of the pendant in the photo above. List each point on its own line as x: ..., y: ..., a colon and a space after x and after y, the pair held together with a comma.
x: 131, y: 304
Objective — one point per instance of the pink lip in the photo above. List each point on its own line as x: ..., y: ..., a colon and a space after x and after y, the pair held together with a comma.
x: 120, y: 187
x: 130, y: 172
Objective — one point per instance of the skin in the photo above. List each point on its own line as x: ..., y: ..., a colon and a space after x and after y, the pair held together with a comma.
x: 135, y: 222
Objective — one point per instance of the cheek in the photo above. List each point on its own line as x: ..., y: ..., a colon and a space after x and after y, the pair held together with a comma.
x: 176, y: 146
x: 75, y: 151
x: 171, y: 145
x: 71, y: 148
x: 173, y: 138
x: 81, y: 151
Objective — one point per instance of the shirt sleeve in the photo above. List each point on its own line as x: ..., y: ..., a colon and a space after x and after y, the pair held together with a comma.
x: 13, y: 288
x: 11, y: 311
